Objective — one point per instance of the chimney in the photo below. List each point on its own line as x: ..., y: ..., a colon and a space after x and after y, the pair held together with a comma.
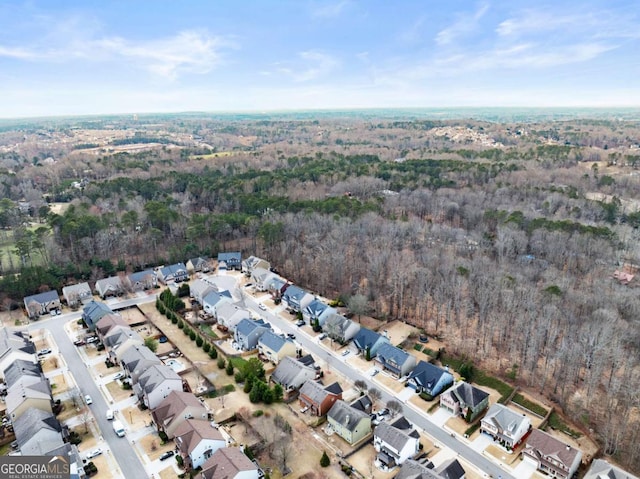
x: 346, y: 420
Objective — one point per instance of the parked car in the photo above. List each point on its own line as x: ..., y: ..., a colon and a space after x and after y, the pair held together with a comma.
x: 322, y: 336
x: 291, y: 336
x: 109, y: 414
x: 93, y: 453
x: 44, y: 352
x: 88, y: 399
x: 262, y: 307
x: 93, y: 339
x: 79, y: 342
x: 166, y: 455
x: 375, y: 372
x: 346, y: 352
x: 300, y: 322
x: 120, y: 375
x: 162, y: 339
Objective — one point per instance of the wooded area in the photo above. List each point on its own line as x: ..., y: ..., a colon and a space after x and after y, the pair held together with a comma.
x: 502, y: 239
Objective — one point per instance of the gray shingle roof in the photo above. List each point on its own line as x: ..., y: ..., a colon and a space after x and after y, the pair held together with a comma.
x: 365, y: 338
x: 451, y: 469
x: 504, y: 418
x: 468, y: 394
x: 273, y: 341
x: 601, y: 469
x: 390, y: 353
x: 14, y: 341
x: 426, y: 374
x: 42, y: 298
x: 291, y: 373
x: 394, y: 437
x: 20, y: 368
x: 247, y: 326
x: 346, y: 415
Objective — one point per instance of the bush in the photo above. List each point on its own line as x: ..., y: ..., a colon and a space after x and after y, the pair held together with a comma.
x: 163, y: 436
x: 229, y: 369
x: 174, y: 319
x: 531, y: 406
x: 193, y: 335
x: 213, y: 354
x: 179, y: 460
x: 180, y: 324
x: 221, y: 363
x: 199, y: 341
x: 426, y: 396
x: 206, y: 347
x: 473, y: 428
x: 258, y: 413
x: 324, y: 460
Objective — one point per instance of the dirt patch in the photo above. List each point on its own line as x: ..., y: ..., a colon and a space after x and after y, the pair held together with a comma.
x: 363, y: 461
x: 153, y: 446
x: 389, y: 382
x: 457, y: 425
x: 136, y: 418
x: 59, y: 384
x: 116, y: 391
x: 503, y: 456
x: 68, y: 410
x: 50, y: 363
x: 398, y: 331
x: 132, y: 316
x: 588, y: 447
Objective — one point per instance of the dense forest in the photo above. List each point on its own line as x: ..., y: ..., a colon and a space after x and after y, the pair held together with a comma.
x: 500, y: 238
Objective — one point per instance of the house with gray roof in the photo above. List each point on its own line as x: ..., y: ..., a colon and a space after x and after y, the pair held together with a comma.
x: 363, y: 403
x: 199, y: 288
x: 230, y: 315
x: 430, y: 379
x: 198, y: 265
x: 368, y: 342
x: 142, y: 280
x: 43, y: 303
x: 94, y: 312
x: 340, y: 329
x: 350, y: 424
x: 394, y: 445
x: 119, y: 339
x: 28, y: 392
x: 19, y: 369
x: 38, y: 433
x: 213, y: 300
x: 505, y: 425
x: 601, y: 469
x: 297, y: 298
x: 464, y: 400
x: 230, y: 260
x: 261, y: 278
x: 173, y: 273
x: 252, y: 263
x: 229, y: 463
x: 155, y: 384
x: 551, y: 456
x: 77, y: 294
x: 248, y: 332
x: 109, y: 287
x: 319, y: 398
x: 14, y: 346
x: 291, y: 374
x: 197, y: 440
x: 395, y: 360
x: 137, y: 359
x: 450, y: 469
x: 276, y: 286
x: 273, y: 347
x: 313, y: 311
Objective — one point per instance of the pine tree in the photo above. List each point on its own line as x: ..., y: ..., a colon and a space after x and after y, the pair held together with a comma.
x: 324, y: 460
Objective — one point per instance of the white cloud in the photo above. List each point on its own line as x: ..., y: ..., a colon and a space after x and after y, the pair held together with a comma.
x: 311, y: 65
x: 16, y: 52
x: 329, y: 9
x: 465, y: 24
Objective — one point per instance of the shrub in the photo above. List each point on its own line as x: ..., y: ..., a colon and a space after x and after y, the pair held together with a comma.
x: 324, y: 460
x: 206, y: 347
x: 258, y: 413
x: 179, y: 460
x: 199, y: 341
x: 180, y: 324
x: 426, y: 396
x: 174, y: 319
x: 163, y: 436
x: 229, y: 369
x: 473, y: 428
x: 221, y: 363
x: 193, y: 335
x: 213, y: 354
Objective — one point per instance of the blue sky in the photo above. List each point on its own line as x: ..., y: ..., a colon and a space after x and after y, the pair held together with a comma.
x: 91, y: 57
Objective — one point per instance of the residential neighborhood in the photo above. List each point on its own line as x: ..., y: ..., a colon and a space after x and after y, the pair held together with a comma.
x: 378, y: 406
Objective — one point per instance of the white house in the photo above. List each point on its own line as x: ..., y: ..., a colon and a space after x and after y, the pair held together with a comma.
x: 505, y: 425
x: 155, y: 384
x: 197, y: 440
x: 395, y: 443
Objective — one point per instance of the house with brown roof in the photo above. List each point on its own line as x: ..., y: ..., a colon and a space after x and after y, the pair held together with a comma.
x: 318, y: 398
x: 108, y: 321
x: 176, y: 408
x: 229, y: 463
x: 550, y: 455
x: 156, y: 383
x: 197, y: 440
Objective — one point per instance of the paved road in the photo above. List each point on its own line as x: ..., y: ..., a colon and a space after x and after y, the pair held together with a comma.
x: 121, y: 448
x: 413, y: 414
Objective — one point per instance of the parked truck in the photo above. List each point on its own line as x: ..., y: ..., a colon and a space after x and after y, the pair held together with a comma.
x: 118, y: 428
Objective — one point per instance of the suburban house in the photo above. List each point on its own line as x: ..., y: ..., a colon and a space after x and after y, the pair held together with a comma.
x: 155, y: 384
x: 261, y: 278
x: 318, y: 398
x: 14, y: 346
x: 196, y: 441
x: 43, y: 303
x: 248, y: 332
x: 550, y: 455
x: 313, y: 311
x: 601, y: 469
x: 350, y: 424
x: 28, y: 392
x: 296, y: 298
x: 395, y: 360
x: 38, y: 433
x: 111, y: 286
x: 93, y: 312
x: 430, y: 379
x: 395, y: 443
x: 199, y: 288
x: 340, y: 328
x: 107, y: 323
x: 425, y: 469
x: 464, y: 400
x: 291, y: 374
x: 505, y: 426
x: 198, y: 265
x: 137, y: 359
x: 212, y: 301
x: 119, y: 339
x: 252, y: 263
x: 368, y: 342
x: 273, y: 347
x: 229, y: 463
x: 142, y: 280
x: 231, y: 260
x: 229, y: 315
x: 21, y: 369
x: 175, y: 409
x: 173, y: 273
x: 276, y: 286
x: 77, y: 294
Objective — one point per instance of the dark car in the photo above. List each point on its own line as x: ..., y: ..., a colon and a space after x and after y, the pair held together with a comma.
x: 79, y: 342
x: 166, y: 455
x: 162, y: 339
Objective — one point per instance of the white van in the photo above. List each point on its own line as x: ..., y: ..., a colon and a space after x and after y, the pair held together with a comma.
x: 109, y: 414
x: 118, y: 428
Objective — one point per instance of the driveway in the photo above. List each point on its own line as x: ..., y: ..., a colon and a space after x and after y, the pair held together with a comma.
x: 440, y: 417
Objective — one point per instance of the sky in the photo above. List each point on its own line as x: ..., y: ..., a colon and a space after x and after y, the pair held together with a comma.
x: 78, y: 57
